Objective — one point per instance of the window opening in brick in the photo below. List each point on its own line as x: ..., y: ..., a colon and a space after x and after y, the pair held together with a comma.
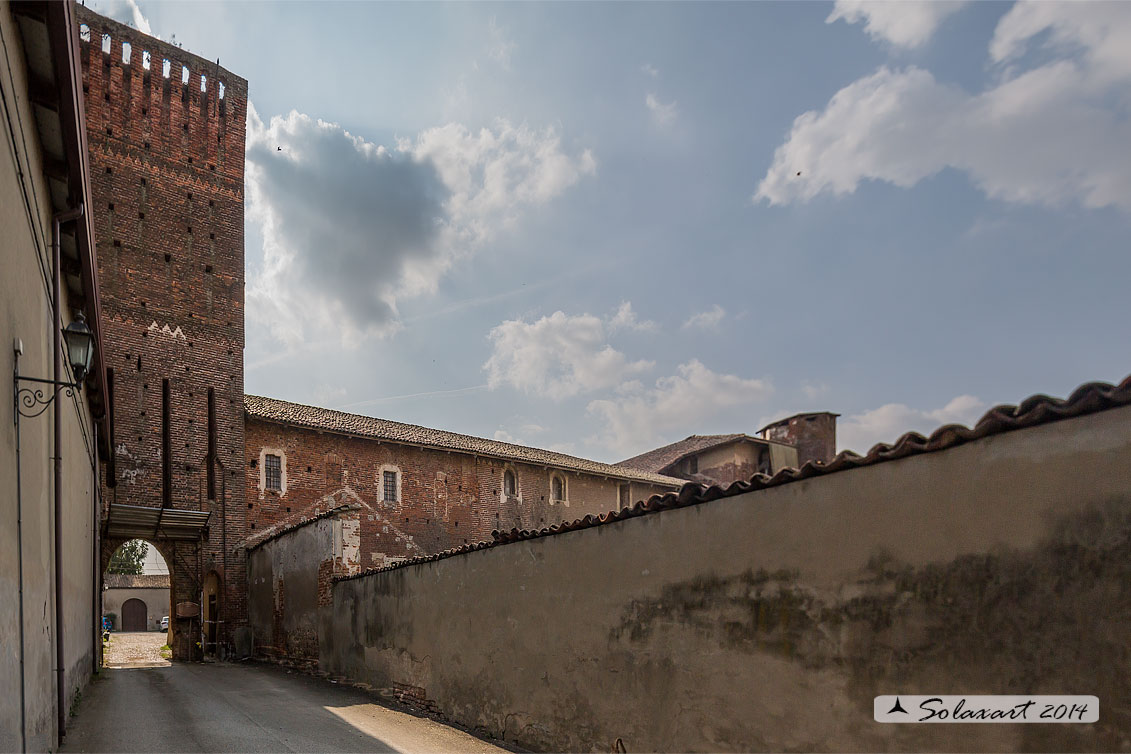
x: 166, y: 68
x: 204, y: 83
x: 106, y: 44
x: 84, y: 32
x: 510, y: 484
x: 166, y: 446
x: 390, y: 486
x: 221, y: 90
x: 146, y: 59
x: 557, y: 489
x: 184, y: 74
x: 622, y: 495
x: 273, y: 472
x: 127, y: 52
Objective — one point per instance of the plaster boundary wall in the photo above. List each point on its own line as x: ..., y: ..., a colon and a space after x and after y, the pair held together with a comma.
x: 768, y: 619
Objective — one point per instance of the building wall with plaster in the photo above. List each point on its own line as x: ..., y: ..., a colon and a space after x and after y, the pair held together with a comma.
x: 768, y: 621
x: 156, y: 604
x: 167, y: 176
x: 289, y: 575
x: 27, y: 539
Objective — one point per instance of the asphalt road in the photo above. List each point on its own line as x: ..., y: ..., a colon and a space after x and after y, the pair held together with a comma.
x: 245, y: 708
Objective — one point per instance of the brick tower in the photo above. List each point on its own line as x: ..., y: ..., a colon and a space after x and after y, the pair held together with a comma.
x: 165, y: 131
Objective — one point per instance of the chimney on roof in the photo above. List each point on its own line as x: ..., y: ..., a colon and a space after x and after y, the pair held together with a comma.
x: 813, y: 434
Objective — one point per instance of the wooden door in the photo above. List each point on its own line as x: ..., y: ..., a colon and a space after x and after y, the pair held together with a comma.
x: 134, y: 615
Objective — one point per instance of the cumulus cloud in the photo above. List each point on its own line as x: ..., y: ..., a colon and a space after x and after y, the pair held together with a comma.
x: 625, y: 319
x: 705, y: 320
x: 125, y: 11
x: 642, y: 418
x: 1048, y: 134
x: 662, y: 112
x: 887, y: 423
x: 906, y: 24
x: 350, y: 227
x: 557, y: 356
x: 650, y: 70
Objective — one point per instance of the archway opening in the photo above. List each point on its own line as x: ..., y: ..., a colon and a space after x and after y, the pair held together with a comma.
x: 136, y: 607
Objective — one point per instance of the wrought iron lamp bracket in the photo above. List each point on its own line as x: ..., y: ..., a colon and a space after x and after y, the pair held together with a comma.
x: 33, y: 401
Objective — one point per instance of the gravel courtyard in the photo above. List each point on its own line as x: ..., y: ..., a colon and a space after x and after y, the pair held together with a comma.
x: 140, y: 649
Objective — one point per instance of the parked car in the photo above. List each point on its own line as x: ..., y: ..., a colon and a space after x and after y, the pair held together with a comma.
x: 165, y: 623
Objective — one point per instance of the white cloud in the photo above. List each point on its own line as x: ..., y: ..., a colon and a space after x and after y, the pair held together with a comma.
x: 1050, y: 134
x: 625, y: 319
x: 642, y: 418
x: 500, y: 46
x: 907, y: 24
x: 662, y: 112
x: 504, y: 436
x: 706, y: 320
x: 350, y: 227
x: 813, y: 390
x: 557, y: 356
x: 125, y: 11
x: 887, y: 423
x: 650, y: 70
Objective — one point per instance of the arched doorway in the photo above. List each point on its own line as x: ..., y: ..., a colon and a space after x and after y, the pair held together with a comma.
x: 136, y: 599
x: 134, y: 615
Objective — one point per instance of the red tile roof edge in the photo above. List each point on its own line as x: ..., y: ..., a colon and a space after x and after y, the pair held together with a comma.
x: 1089, y: 398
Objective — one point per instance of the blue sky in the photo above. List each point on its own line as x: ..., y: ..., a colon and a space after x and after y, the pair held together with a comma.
x: 599, y: 228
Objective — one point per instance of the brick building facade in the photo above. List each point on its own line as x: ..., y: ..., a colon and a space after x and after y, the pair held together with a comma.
x: 165, y: 133
x: 422, y: 490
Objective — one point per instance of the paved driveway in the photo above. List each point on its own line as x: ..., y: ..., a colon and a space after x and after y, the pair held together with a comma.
x: 222, y: 707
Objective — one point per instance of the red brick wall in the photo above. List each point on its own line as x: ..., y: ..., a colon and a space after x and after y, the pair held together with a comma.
x: 167, y: 165
x: 814, y: 436
x: 447, y: 498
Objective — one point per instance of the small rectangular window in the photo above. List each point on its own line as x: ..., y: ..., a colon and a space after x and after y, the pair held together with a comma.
x: 273, y: 472
x: 390, y: 480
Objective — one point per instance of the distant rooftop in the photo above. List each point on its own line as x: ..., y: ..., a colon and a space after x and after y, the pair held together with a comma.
x: 662, y: 458
x: 328, y: 420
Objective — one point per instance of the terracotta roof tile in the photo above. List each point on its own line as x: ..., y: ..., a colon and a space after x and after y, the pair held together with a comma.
x: 660, y: 458
x: 1087, y: 399
x: 312, y: 417
x: 136, y: 581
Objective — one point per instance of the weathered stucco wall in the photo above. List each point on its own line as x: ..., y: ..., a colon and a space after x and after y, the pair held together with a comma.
x: 25, y: 313
x: 769, y: 621
x: 156, y: 605
x: 289, y: 583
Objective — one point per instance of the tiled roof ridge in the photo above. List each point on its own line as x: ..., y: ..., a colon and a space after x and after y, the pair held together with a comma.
x: 255, y: 405
x: 667, y: 455
x: 136, y: 580
x: 1089, y: 398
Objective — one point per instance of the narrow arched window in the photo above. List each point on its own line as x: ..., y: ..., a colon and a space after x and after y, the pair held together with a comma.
x: 510, y: 484
x: 557, y: 489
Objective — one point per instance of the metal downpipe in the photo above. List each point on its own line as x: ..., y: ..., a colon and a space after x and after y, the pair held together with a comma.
x: 57, y: 416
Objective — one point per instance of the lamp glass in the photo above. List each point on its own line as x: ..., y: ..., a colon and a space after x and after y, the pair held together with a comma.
x: 80, y: 346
